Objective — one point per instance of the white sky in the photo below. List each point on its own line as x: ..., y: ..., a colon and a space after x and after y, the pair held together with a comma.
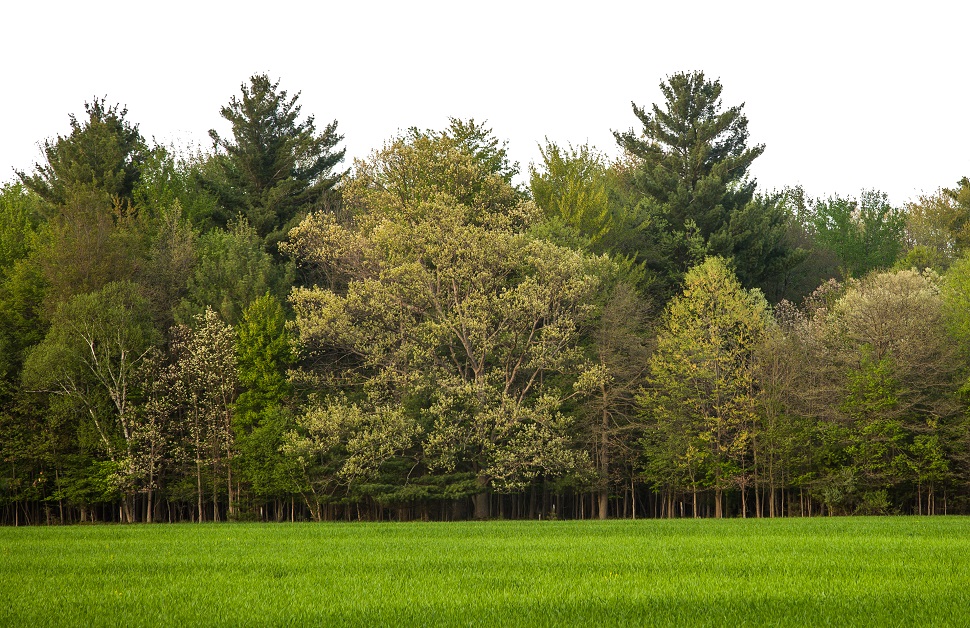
x: 845, y: 94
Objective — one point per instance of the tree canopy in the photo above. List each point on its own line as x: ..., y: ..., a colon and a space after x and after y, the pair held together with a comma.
x: 246, y: 332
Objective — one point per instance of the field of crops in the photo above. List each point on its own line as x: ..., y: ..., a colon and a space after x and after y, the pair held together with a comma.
x: 874, y: 571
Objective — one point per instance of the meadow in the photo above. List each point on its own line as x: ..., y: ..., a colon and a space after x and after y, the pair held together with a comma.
x: 824, y: 571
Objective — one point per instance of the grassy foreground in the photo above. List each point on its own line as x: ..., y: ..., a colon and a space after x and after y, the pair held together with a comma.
x: 858, y: 571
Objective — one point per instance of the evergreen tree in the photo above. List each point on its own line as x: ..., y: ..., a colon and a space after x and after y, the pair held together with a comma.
x: 104, y: 153
x: 690, y: 178
x: 264, y: 355
x: 694, y: 156
x: 276, y: 167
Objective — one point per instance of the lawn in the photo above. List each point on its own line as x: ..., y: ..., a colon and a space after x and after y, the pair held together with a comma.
x: 822, y: 571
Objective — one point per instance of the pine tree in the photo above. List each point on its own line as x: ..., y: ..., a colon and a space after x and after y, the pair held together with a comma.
x: 275, y: 168
x: 694, y: 156
x: 690, y: 178
x: 104, y: 153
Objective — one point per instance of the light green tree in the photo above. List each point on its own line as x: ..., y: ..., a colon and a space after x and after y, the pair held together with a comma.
x: 92, y: 355
x: 450, y: 303
x: 701, y: 401
x: 572, y: 185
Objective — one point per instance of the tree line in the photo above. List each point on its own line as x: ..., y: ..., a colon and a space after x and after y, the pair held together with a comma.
x: 259, y: 331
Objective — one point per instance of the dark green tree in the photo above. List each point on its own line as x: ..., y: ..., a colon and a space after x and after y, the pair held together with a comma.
x: 275, y: 168
x: 758, y: 238
x: 480, y: 142
x: 103, y: 153
x: 693, y: 154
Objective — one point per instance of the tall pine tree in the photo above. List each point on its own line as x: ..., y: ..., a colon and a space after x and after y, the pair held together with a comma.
x: 275, y: 168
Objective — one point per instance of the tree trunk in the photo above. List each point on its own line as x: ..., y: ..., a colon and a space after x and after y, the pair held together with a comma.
x: 198, y: 480
x: 604, y: 459
x: 480, y: 503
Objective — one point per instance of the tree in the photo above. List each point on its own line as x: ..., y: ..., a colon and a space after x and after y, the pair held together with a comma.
x: 878, y: 373
x: 422, y: 166
x: 276, y: 167
x: 206, y: 386
x: 864, y: 234
x: 450, y: 311
x: 261, y: 416
x: 21, y: 287
x: 19, y: 218
x: 89, y: 243
x: 91, y: 355
x: 757, y: 238
x: 104, y: 153
x: 573, y: 186
x: 231, y: 270
x: 701, y: 403
x: 692, y: 194
x: 620, y: 348
x: 167, y: 178
x: 479, y: 141
x: 939, y: 224
x: 693, y: 156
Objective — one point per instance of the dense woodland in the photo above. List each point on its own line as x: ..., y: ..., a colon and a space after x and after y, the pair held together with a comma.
x: 261, y: 331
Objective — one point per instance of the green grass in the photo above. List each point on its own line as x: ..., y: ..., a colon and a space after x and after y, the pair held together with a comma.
x: 838, y: 571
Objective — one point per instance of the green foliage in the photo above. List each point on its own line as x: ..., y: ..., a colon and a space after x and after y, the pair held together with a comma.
x: 19, y: 216
x: 447, y: 299
x: 938, y: 228
x: 276, y: 167
x: 757, y: 239
x: 412, y: 171
x: 693, y: 156
x: 572, y: 186
x: 865, y: 234
x: 103, y: 153
x: 232, y: 270
x: 261, y: 418
x: 479, y: 141
x: 878, y: 362
x: 89, y: 243
x: 691, y: 190
x: 21, y: 286
x: 91, y: 356
x: 700, y: 407
x: 168, y: 178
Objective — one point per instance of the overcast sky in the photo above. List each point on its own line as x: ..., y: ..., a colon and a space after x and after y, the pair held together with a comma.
x: 845, y: 95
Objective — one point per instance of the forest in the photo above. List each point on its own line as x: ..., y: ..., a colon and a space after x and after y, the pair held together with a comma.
x: 260, y: 331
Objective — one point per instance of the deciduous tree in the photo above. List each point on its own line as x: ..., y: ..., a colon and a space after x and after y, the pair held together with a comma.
x: 701, y: 403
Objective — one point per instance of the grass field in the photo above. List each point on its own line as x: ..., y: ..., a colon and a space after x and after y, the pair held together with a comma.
x: 839, y: 571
